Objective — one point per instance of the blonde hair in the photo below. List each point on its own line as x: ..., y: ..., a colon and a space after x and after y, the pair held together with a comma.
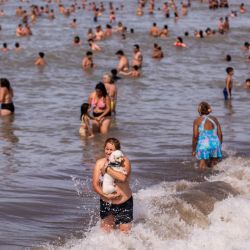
x: 108, y: 76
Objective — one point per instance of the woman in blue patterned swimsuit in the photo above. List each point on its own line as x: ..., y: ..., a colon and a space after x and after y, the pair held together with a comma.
x: 207, y: 137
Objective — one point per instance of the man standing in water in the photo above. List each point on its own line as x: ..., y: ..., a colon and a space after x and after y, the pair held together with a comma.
x: 137, y: 59
x: 123, y: 64
x: 229, y: 83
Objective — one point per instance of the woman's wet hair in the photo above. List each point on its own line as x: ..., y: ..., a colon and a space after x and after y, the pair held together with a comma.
x: 180, y: 39
x: 4, y: 82
x: 114, y: 142
x: 204, y: 108
x: 100, y: 86
x: 84, y: 109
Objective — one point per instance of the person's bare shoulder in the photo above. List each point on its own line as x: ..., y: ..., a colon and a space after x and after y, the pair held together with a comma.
x: 100, y: 163
x: 214, y: 118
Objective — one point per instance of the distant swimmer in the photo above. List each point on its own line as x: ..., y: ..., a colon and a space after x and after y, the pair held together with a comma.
x: 164, y: 32
x: 17, y: 47
x: 154, y: 31
x: 19, y: 30
x: 40, y: 61
x: 157, y: 52
x: 137, y: 58
x: 207, y: 137
x: 123, y: 64
x: 5, y: 47
x: 93, y: 46
x: 112, y: 16
x: 247, y: 84
x: 242, y: 8
x: 99, y: 34
x: 6, y: 98
x: 51, y: 15
x: 108, y: 31
x: 179, y: 42
x: 73, y: 24
x: 87, y: 61
x: 77, y: 41
x: 135, y: 72
x: 227, y: 91
x: 139, y: 10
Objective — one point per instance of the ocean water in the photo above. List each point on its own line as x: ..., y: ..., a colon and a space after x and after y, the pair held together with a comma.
x: 46, y: 198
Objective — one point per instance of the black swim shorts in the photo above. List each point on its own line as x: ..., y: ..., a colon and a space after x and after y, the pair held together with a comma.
x: 123, y: 213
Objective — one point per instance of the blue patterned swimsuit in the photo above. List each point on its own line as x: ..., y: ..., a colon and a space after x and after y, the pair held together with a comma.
x: 208, y: 145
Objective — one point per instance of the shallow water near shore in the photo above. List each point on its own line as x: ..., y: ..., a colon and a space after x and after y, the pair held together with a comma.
x: 46, y: 199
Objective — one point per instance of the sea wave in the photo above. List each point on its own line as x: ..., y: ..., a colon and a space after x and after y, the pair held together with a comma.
x: 213, y: 214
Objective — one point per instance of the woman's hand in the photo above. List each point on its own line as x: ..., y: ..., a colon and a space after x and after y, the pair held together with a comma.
x: 99, y: 119
x: 193, y: 153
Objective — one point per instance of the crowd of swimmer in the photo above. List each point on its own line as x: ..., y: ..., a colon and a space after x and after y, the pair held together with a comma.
x: 102, y: 101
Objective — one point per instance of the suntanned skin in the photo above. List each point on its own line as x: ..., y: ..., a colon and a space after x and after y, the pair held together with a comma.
x: 122, y: 186
x: 229, y: 83
x: 208, y: 125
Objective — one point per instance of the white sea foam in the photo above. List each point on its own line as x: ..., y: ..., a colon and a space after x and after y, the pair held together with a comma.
x: 174, y: 215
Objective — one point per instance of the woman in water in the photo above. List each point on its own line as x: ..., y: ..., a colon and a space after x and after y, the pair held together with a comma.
x: 207, y: 137
x: 100, y: 103
x: 6, y: 96
x: 116, y: 209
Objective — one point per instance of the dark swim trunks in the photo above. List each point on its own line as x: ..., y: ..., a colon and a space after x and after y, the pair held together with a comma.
x: 225, y: 93
x: 98, y: 114
x: 123, y: 213
x: 8, y: 106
